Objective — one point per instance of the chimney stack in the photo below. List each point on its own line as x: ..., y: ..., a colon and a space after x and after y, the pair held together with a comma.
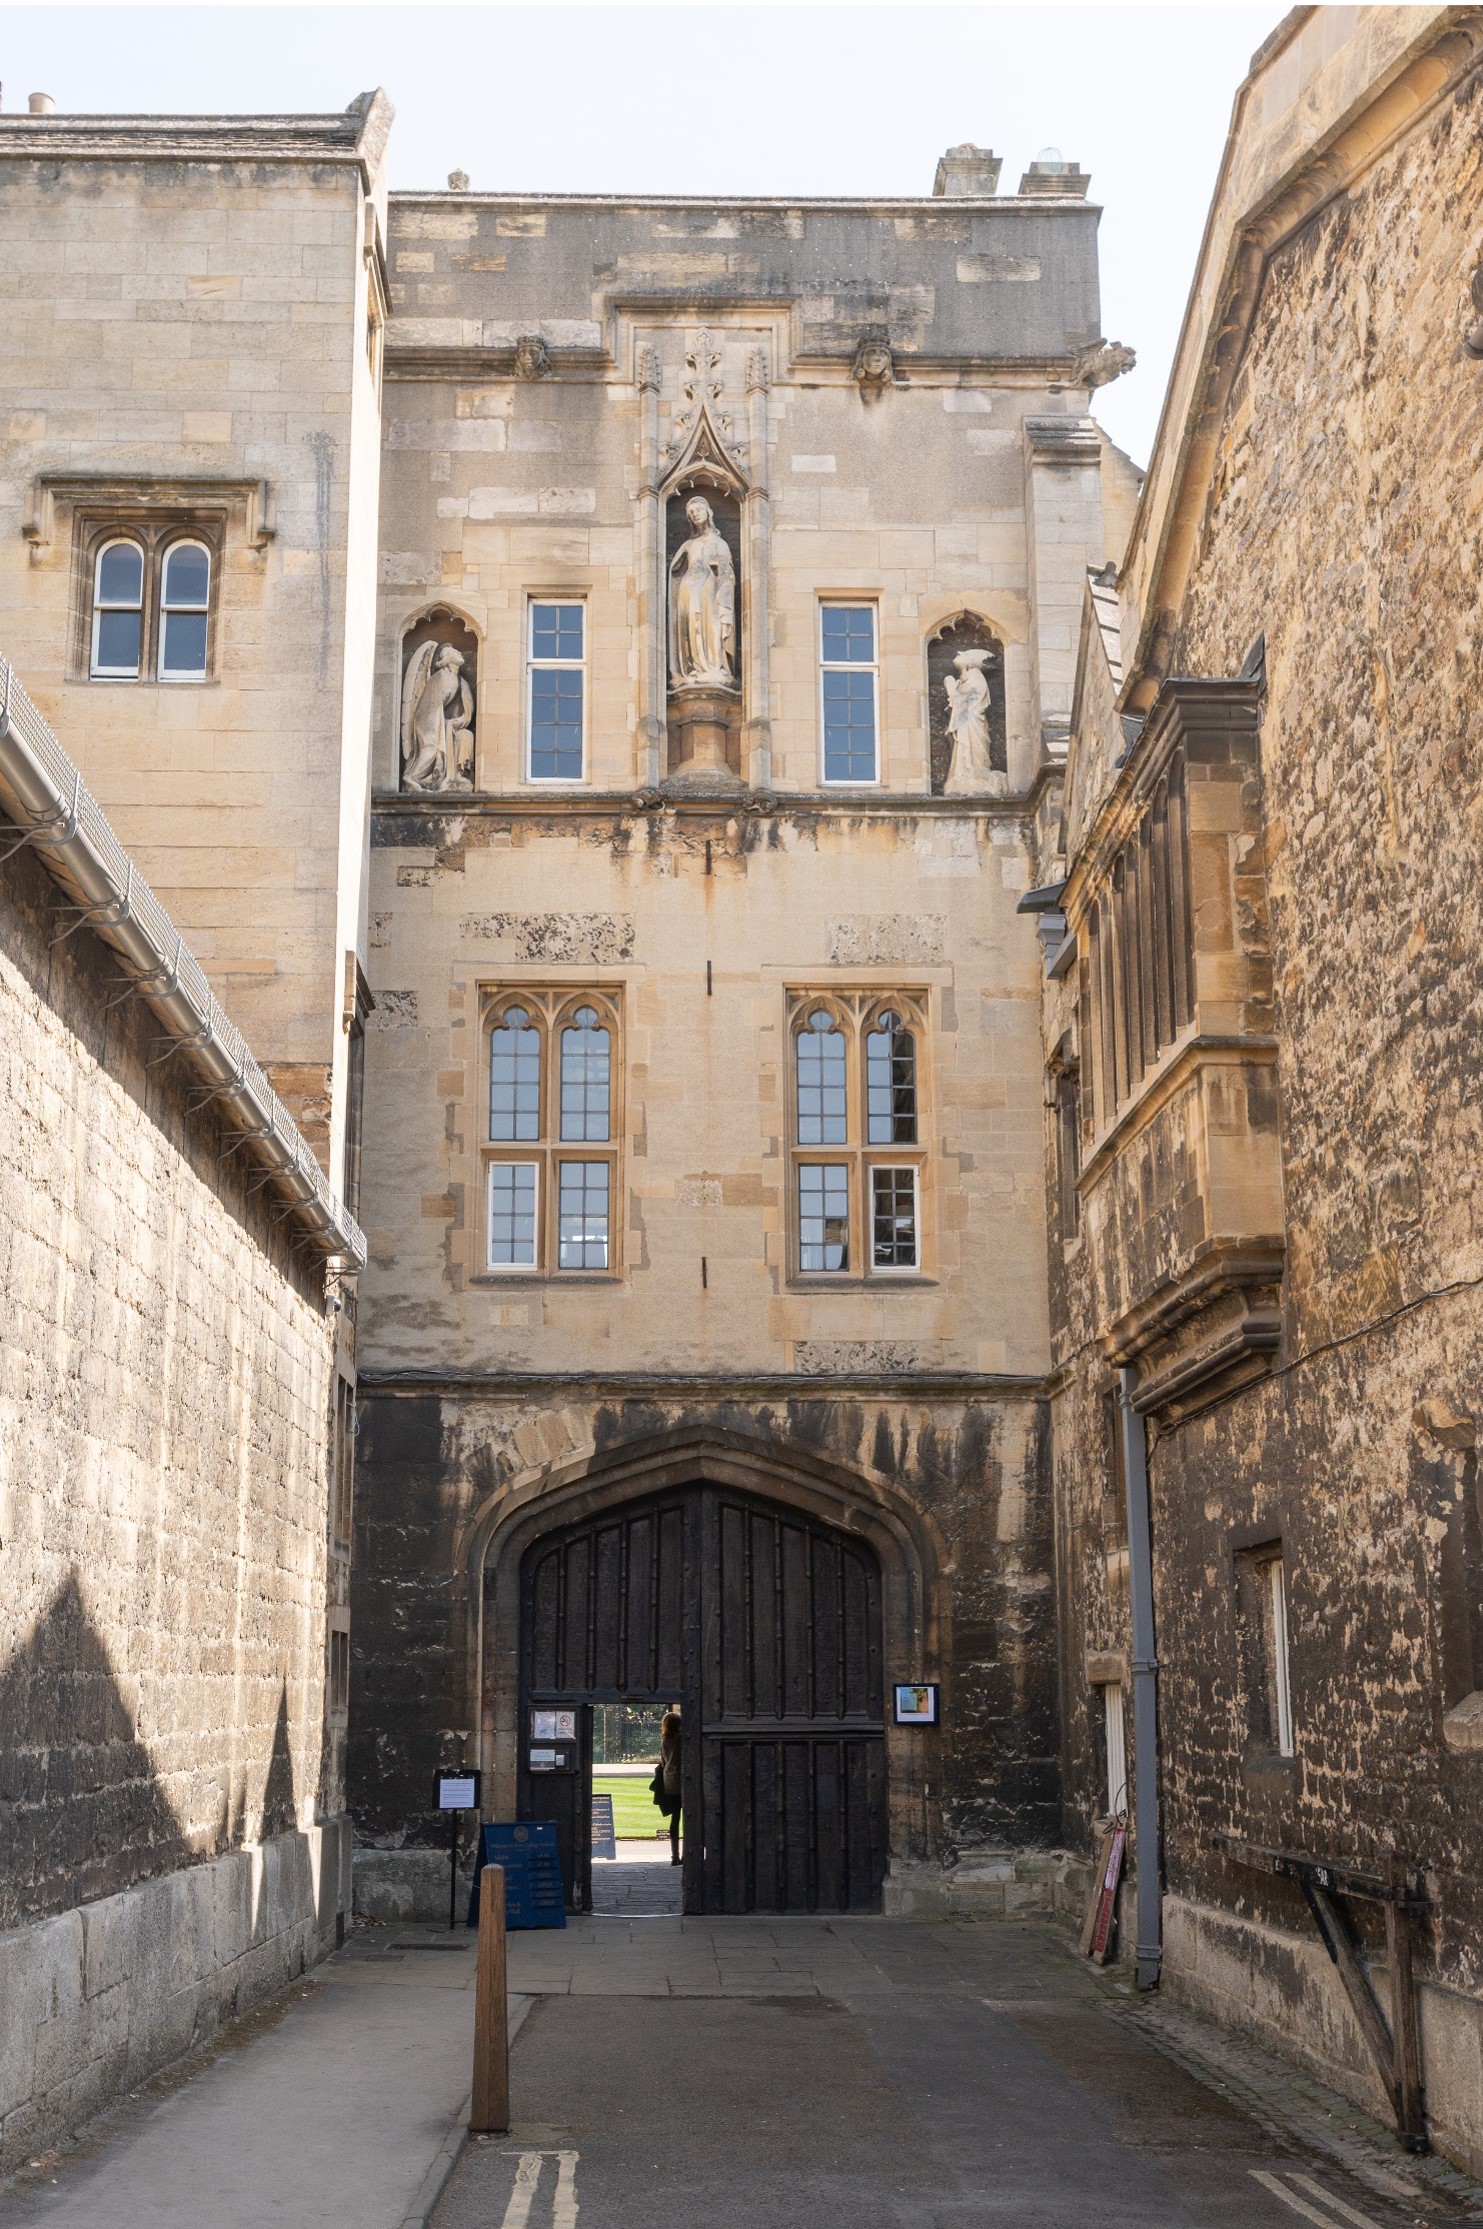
x: 967, y: 173
x: 41, y: 104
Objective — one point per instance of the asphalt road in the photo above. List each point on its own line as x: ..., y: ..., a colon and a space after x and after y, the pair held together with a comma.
x: 895, y: 2077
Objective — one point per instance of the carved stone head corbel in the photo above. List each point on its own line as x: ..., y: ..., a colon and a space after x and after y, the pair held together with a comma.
x: 532, y: 357
x: 874, y: 369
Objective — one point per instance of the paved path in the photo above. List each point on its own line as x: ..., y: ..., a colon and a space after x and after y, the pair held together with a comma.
x: 741, y: 2073
x: 346, y: 2108
x: 804, y: 2074
x: 640, y: 1883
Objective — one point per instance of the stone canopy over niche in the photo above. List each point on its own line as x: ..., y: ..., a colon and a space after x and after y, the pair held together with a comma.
x: 439, y: 702
x: 969, y: 740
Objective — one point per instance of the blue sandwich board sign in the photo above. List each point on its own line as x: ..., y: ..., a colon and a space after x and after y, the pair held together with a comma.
x: 526, y: 1848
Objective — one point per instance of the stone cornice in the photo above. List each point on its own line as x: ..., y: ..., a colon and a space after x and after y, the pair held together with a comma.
x: 718, y: 806
x: 861, y: 206
x: 357, y: 135
x: 524, y: 1385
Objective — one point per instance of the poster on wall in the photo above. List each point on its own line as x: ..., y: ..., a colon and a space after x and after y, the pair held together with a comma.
x: 915, y: 1703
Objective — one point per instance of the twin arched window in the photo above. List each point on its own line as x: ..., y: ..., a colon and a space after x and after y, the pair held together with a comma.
x: 855, y: 1092
x: 121, y: 603
x: 584, y: 1081
x: 551, y: 1087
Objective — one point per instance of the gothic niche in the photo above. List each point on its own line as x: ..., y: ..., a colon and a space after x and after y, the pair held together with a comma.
x: 440, y: 671
x: 703, y: 580
x: 965, y: 689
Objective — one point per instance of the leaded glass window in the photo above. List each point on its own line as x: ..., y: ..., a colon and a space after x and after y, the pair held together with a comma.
x: 890, y: 1082
x: 515, y: 1078
x: 893, y: 1217
x: 823, y: 1216
x: 585, y: 1077
x: 847, y: 661
x: 582, y: 1211
x: 513, y: 1188
x: 557, y: 692
x: 822, y: 1085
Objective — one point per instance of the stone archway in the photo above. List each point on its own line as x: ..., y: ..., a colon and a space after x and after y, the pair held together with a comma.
x: 915, y: 1641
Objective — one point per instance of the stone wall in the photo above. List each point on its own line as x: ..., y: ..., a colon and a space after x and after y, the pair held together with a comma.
x: 1339, y: 532
x: 165, y: 1778
x: 186, y: 348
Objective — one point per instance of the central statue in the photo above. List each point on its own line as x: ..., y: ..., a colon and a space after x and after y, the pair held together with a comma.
x: 702, y: 605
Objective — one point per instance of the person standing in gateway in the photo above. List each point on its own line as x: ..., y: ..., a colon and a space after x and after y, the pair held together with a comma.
x: 670, y: 1740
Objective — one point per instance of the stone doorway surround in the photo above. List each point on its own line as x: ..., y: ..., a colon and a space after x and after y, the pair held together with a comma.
x: 915, y: 1617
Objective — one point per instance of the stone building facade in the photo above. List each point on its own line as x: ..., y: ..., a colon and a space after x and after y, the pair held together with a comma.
x: 173, y: 1838
x: 860, y: 430
x: 1262, y: 1041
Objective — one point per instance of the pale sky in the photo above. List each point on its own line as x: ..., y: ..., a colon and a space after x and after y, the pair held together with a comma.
x: 755, y: 99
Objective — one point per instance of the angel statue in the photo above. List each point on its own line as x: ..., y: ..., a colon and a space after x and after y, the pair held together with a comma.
x: 702, y: 605
x: 968, y: 722
x: 437, y: 716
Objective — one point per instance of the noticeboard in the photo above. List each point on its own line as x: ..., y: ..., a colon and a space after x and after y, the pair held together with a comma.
x: 526, y: 1848
x: 457, y: 1791
x: 604, y: 1839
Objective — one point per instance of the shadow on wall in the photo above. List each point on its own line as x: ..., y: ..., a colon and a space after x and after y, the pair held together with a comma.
x: 83, y: 1811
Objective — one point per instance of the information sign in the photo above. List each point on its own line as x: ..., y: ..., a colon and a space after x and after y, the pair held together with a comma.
x: 526, y: 1848
x: 916, y: 1703
x: 604, y: 1840
x: 458, y: 1791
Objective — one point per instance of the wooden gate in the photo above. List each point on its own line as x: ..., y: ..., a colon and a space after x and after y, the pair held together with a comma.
x: 764, y: 1625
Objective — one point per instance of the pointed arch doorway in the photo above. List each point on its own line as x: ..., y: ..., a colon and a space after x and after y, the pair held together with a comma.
x: 763, y: 1622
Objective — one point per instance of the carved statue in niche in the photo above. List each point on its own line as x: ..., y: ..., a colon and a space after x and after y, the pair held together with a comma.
x: 967, y: 691
x: 702, y: 605
x: 965, y: 673
x: 438, y: 707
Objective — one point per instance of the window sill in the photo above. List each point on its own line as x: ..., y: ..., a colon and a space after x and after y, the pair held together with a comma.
x: 901, y: 1280
x: 522, y: 1279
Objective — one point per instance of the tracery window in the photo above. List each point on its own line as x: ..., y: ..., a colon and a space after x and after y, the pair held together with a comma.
x: 552, y: 1083
x: 857, y: 1131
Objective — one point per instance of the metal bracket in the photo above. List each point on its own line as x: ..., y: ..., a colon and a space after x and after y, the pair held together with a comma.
x: 120, y: 908
x: 54, y: 829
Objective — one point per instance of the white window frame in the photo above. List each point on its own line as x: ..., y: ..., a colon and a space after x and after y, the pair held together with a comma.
x: 532, y: 1268
x: 913, y: 1169
x: 533, y: 665
x: 850, y: 603
x: 203, y: 610
x: 97, y: 672
x: 1282, y: 1728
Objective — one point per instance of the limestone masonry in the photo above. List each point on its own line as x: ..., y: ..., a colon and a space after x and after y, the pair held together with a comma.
x: 895, y: 997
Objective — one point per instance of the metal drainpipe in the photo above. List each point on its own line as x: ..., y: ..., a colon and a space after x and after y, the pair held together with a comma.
x: 1145, y: 1670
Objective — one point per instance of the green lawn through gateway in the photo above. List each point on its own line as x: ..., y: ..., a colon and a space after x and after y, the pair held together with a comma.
x: 635, y: 1818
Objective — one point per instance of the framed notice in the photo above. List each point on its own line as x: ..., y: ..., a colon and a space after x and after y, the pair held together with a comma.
x: 553, y: 1725
x: 457, y: 1791
x: 916, y: 1704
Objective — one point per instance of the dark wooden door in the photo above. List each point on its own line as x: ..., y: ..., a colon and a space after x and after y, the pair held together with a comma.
x: 764, y: 1626
x: 793, y: 1793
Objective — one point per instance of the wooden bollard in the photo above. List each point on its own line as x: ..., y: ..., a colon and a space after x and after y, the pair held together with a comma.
x: 490, y: 2115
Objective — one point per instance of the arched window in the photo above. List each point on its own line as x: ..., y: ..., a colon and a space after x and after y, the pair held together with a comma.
x: 890, y: 1082
x: 586, y: 1090
x: 514, y: 1077
x: 118, y: 611
x: 821, y: 1081
x: 185, y: 595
